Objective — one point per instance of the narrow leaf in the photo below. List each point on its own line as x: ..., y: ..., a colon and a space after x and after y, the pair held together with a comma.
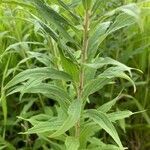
x: 103, y: 120
x: 72, y: 143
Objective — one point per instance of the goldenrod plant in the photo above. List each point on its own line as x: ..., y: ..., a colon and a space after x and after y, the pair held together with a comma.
x: 66, y: 73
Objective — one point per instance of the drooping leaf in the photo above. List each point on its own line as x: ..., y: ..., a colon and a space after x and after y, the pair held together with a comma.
x: 102, y: 119
x: 121, y: 21
x: 51, y: 91
x: 100, y: 62
x: 118, y: 72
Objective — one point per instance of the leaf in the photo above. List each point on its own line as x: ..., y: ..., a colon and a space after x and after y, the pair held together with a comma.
x: 43, y: 126
x: 119, y: 115
x: 74, y: 112
x: 46, y: 27
x: 96, y: 38
x: 3, y: 102
x: 107, y: 106
x: 129, y: 15
x: 121, y: 21
x: 69, y: 64
x: 104, y: 78
x: 6, y: 145
x: 96, y: 5
x: 44, y: 72
x: 132, y: 10
x: 17, y: 3
x: 66, y: 7
x: 87, y: 130
x: 103, y: 121
x: 87, y: 4
x: 117, y: 71
x: 54, y: 18
x: 49, y: 30
x: 98, y: 144
x: 72, y: 143
x: 15, y: 45
x: 94, y: 85
x: 100, y: 62
x: 51, y: 91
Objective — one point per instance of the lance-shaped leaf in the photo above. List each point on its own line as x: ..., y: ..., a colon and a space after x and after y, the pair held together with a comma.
x: 122, y: 20
x: 66, y: 7
x: 119, y: 72
x: 44, y: 72
x: 54, y: 18
x: 104, y: 78
x: 72, y: 143
x: 43, y: 126
x: 51, y: 91
x: 107, y: 106
x: 97, y: 37
x: 100, y: 62
x: 87, y: 130
x: 94, y: 85
x: 104, y: 122
x: 74, y: 112
x: 119, y: 115
x: 128, y: 15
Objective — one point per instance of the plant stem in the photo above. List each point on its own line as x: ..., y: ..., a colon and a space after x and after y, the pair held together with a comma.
x: 83, y: 61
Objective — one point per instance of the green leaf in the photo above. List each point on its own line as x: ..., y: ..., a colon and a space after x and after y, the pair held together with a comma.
x: 69, y: 64
x: 43, y: 126
x: 132, y: 10
x: 87, y: 4
x: 54, y: 18
x: 44, y: 72
x: 119, y: 115
x: 117, y: 71
x: 102, y: 61
x: 23, y: 4
x: 96, y: 5
x: 122, y: 20
x: 66, y: 7
x: 94, y: 85
x: 96, y: 38
x: 104, y: 122
x: 74, y: 112
x: 6, y: 145
x: 104, y: 78
x: 3, y: 102
x: 107, y: 106
x: 72, y: 143
x: 51, y: 91
x: 87, y: 130
x: 98, y: 144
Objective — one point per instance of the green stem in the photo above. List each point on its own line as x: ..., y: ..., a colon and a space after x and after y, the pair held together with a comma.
x: 83, y: 61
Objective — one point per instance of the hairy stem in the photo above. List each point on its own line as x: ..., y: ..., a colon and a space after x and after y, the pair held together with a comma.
x: 83, y: 61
